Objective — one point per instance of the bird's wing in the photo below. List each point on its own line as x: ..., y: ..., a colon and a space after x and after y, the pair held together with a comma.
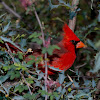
x: 62, y: 59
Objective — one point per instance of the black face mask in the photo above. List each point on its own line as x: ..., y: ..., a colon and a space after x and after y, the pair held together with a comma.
x: 74, y: 43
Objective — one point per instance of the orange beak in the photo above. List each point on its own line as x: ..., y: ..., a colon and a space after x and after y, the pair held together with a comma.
x: 80, y: 45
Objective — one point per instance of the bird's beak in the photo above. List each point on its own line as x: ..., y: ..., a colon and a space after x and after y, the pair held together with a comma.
x: 80, y: 45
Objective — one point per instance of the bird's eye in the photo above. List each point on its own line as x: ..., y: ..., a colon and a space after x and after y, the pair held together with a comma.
x: 73, y: 41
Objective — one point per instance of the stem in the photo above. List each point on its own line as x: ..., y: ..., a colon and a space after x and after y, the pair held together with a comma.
x: 26, y: 83
x: 46, y: 73
x: 80, y: 88
x: 86, y: 77
x: 39, y: 22
x: 45, y: 55
x: 9, y: 52
x: 10, y: 10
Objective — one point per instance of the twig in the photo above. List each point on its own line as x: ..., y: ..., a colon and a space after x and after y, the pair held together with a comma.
x: 72, y: 71
x: 36, y: 74
x: 9, y: 52
x: 77, y: 67
x: 26, y: 83
x: 86, y: 76
x: 71, y: 80
x: 79, y: 88
x: 39, y: 22
x: 72, y: 22
x: 12, y: 5
x: 45, y: 55
x: 10, y: 10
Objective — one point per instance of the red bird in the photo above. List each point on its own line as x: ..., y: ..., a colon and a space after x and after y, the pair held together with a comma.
x: 61, y: 59
x: 65, y: 57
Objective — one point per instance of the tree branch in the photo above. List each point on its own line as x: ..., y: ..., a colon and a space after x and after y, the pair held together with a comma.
x: 45, y: 55
x: 26, y: 83
x: 86, y: 76
x: 10, y: 10
x: 9, y: 52
x: 72, y: 22
x: 79, y: 88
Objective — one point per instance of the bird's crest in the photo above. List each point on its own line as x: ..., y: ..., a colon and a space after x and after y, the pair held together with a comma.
x: 69, y: 34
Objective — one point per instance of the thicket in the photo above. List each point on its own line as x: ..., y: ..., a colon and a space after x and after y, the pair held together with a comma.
x: 21, y: 33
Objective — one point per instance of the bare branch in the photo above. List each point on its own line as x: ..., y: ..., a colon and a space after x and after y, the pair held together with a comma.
x: 45, y: 55
x: 80, y: 88
x: 35, y: 74
x: 86, y: 76
x: 10, y: 10
x: 26, y: 83
x: 71, y: 80
x: 9, y: 52
x: 79, y: 66
x: 72, y: 22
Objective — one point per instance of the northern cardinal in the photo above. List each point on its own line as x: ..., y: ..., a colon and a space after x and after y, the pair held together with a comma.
x: 61, y: 59
x: 65, y: 57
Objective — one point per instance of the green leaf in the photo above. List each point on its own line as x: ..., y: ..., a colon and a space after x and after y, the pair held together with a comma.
x: 4, y: 78
x: 57, y: 18
x: 23, y: 43
x: 59, y: 89
x: 20, y: 66
x: 93, y: 83
x: 8, y: 40
x: 20, y: 55
x: 2, y: 91
x: 28, y: 96
x: 44, y: 50
x: 97, y: 44
x: 90, y: 98
x: 50, y: 51
x: 51, y: 48
x: 32, y: 60
x: 91, y: 44
x: 51, y: 97
x: 37, y: 40
x: 14, y: 74
x: 11, y: 33
x: 81, y: 94
x: 97, y: 63
x: 55, y: 94
x: 2, y: 15
x: 29, y: 80
x: 55, y: 47
x: 53, y: 68
x: 6, y: 27
x: 18, y: 98
x: 34, y: 35
x: 99, y: 15
x: 40, y: 41
x: 1, y: 41
x: 61, y: 77
x: 43, y: 92
x: 21, y: 88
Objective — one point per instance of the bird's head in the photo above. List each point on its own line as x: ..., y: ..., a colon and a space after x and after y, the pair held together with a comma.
x: 71, y: 39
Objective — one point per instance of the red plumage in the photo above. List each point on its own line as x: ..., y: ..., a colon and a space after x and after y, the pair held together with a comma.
x: 63, y: 58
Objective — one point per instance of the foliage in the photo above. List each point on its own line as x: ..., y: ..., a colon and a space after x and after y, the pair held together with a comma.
x: 19, y: 80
